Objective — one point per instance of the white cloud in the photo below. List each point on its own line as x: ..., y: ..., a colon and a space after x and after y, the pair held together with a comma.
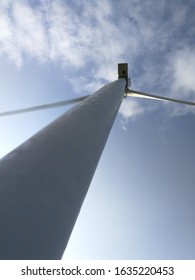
x: 56, y: 31
x: 7, y: 45
x: 4, y: 4
x: 82, y: 84
x: 91, y: 37
x: 22, y: 32
x: 181, y: 69
x: 183, y: 66
x: 29, y: 32
x: 130, y: 108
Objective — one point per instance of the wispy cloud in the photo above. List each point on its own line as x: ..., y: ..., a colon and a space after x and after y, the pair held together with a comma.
x: 89, y: 38
x: 130, y: 108
x: 58, y: 31
x: 183, y: 66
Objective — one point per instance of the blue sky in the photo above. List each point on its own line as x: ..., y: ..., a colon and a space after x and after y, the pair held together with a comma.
x: 141, y: 203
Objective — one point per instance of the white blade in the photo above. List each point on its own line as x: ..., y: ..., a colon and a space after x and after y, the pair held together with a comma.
x: 43, y: 107
x: 140, y: 94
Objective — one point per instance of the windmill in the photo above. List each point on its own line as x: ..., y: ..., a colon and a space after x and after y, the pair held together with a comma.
x: 45, y: 180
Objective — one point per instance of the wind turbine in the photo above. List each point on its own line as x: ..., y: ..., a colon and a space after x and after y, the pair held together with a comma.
x: 44, y: 181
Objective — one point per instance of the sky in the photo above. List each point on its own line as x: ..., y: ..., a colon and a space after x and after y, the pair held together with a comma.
x: 141, y: 202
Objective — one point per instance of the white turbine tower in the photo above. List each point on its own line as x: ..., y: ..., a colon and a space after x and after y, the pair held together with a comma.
x: 44, y: 181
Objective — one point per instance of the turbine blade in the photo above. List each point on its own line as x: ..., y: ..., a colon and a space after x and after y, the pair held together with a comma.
x: 140, y: 94
x: 43, y: 107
